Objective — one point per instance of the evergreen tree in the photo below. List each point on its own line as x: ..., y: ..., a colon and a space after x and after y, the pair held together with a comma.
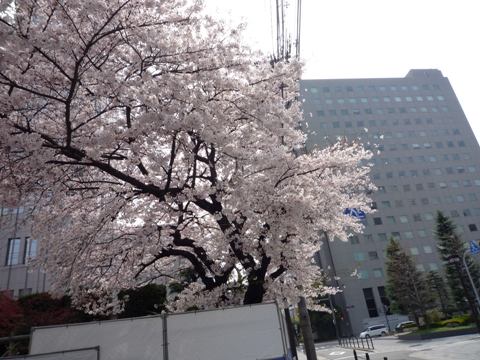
x: 406, y: 288
x: 147, y: 300
x: 451, y: 244
x: 440, y: 290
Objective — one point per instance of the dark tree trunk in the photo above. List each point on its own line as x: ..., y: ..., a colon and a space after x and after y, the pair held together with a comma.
x: 254, y: 293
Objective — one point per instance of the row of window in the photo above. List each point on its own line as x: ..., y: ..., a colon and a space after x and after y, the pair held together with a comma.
x: 14, y: 257
x: 381, y: 111
x: 372, y: 88
x: 437, y: 171
x: 409, y: 234
x: 425, y: 201
x: 423, y: 159
x: 375, y: 123
x: 407, y: 187
x: 390, y: 220
x: 378, y: 273
x: 385, y: 99
x: 373, y: 255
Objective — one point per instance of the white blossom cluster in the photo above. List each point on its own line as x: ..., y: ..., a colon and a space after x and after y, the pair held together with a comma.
x: 145, y: 133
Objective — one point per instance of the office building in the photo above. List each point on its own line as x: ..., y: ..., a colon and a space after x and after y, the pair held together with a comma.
x: 16, y: 248
x: 429, y: 160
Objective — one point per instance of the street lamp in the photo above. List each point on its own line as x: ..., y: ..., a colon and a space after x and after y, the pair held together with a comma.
x: 455, y: 259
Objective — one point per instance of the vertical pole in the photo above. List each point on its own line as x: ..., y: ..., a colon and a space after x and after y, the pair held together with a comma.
x: 471, y: 281
x: 334, y: 319
x: 291, y: 335
x: 306, y: 330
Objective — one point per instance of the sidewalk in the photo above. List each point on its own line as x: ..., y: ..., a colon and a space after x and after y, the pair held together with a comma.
x: 301, y: 355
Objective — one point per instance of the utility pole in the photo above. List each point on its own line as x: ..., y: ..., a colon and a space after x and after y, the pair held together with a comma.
x: 306, y: 330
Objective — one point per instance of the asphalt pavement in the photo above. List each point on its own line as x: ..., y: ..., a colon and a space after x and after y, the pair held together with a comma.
x: 463, y: 347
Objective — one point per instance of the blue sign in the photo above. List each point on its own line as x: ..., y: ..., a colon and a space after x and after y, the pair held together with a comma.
x: 359, y: 214
x: 474, y: 248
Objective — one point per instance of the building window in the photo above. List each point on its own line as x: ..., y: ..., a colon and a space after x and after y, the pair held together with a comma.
x: 403, y: 218
x: 377, y: 221
x: 358, y: 256
x: 368, y: 239
x: 344, y: 112
x: 433, y: 266
x: 373, y: 255
x: 414, y: 251
x: 394, y: 188
x: 354, y: 239
x: 408, y: 234
x: 382, y: 237
x: 472, y: 227
x: 377, y: 273
x: 30, y: 249
x: 363, y: 274
x: 13, y: 251
x: 420, y: 267
x: 427, y: 249
x: 422, y: 233
x: 429, y: 216
x: 454, y: 213
x: 424, y: 201
x: 417, y: 217
x: 390, y: 219
x: 398, y: 203
x: 396, y: 235
x: 467, y: 212
x: 320, y: 113
x: 370, y: 302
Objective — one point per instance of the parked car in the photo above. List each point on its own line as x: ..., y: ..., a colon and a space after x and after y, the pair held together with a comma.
x: 402, y: 324
x: 374, y: 330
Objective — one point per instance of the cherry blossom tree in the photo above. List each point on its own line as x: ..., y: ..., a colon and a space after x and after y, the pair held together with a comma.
x: 148, y: 138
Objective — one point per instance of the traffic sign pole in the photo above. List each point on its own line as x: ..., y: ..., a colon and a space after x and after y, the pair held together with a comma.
x: 470, y: 276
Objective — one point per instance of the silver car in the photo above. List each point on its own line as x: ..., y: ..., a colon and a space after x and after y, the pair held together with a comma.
x: 374, y: 330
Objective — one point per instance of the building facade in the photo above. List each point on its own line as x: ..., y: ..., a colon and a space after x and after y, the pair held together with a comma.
x: 16, y: 248
x: 429, y: 160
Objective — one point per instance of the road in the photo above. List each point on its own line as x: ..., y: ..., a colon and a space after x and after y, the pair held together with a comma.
x: 464, y: 347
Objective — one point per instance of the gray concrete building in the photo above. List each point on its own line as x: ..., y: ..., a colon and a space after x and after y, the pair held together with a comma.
x: 429, y: 160
x: 16, y: 248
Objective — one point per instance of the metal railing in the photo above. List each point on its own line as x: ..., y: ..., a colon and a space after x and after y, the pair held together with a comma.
x: 361, y: 343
